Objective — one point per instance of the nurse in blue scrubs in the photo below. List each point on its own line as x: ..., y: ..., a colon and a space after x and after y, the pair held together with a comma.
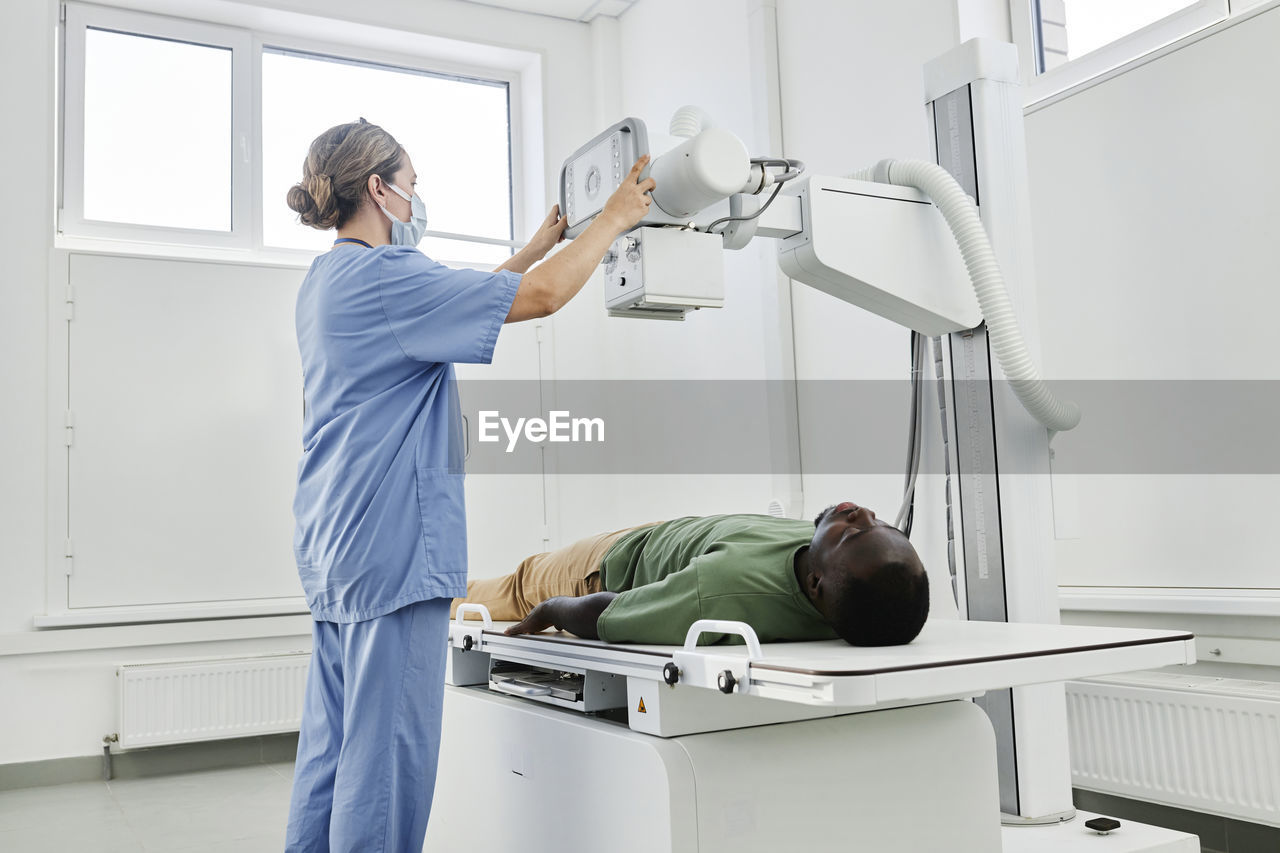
x: 381, y: 531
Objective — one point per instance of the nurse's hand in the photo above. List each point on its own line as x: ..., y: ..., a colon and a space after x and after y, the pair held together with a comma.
x: 630, y: 201
x: 546, y: 288
x: 550, y: 232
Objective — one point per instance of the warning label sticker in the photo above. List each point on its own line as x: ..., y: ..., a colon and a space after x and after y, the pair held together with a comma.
x: 641, y: 709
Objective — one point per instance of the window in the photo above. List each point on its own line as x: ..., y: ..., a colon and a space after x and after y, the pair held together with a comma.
x: 1070, y: 41
x: 185, y: 132
x: 455, y: 131
x: 155, y: 111
x: 157, y: 114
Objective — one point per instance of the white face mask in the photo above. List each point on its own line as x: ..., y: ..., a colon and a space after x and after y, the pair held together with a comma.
x: 408, y: 233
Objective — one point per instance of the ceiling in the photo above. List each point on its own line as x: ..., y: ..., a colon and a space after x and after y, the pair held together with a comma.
x: 572, y: 10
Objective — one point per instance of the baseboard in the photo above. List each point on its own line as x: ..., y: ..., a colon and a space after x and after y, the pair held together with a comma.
x: 1216, y: 833
x: 55, y: 771
x: 155, y: 761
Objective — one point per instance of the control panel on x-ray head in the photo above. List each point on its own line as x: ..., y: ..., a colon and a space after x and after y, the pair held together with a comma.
x: 900, y: 239
x: 671, y: 264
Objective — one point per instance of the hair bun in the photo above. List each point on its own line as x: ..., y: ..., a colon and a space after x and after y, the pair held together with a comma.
x: 314, y: 201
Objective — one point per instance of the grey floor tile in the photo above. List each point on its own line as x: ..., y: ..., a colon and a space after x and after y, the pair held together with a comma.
x: 212, y: 807
x: 241, y: 810
x: 256, y: 844
x: 78, y: 802
x: 108, y: 837
x: 285, y: 769
x: 1210, y: 829
x: 206, y: 814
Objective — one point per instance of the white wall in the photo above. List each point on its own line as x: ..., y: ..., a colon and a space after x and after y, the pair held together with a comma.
x: 26, y: 51
x: 1155, y: 245
x: 705, y: 60
x: 852, y: 95
x: 64, y: 679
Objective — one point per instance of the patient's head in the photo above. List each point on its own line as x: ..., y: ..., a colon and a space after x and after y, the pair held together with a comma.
x: 865, y: 577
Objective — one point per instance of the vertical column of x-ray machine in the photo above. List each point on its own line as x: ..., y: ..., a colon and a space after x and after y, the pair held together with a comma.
x: 1001, y: 453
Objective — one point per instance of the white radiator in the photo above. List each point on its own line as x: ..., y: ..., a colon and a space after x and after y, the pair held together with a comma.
x: 1194, y: 742
x: 211, y: 699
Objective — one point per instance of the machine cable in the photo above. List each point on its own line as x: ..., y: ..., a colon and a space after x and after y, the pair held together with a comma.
x: 938, y: 373
x: 794, y: 168
x: 915, y: 434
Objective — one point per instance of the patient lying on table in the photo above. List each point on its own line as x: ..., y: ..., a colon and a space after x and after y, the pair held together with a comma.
x: 847, y: 575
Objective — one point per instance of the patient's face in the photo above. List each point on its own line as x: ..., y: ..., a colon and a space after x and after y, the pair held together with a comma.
x: 849, y: 538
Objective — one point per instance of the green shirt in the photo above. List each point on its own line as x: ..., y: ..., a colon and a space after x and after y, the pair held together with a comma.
x: 738, y: 567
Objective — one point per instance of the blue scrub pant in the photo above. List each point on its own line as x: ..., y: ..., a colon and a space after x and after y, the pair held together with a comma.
x: 370, y: 735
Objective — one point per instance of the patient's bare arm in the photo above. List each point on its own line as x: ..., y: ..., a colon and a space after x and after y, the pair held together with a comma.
x: 577, y: 615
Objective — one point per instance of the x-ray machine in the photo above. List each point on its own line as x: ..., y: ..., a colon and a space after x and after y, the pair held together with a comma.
x: 563, y: 744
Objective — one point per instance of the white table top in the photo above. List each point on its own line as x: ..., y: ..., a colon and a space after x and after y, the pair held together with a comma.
x: 950, y: 658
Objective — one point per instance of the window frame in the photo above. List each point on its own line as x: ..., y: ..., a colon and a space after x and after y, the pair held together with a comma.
x: 247, y: 44
x: 71, y: 219
x: 1092, y: 66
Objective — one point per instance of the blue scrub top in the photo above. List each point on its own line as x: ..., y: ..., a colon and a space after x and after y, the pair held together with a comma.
x: 380, y: 513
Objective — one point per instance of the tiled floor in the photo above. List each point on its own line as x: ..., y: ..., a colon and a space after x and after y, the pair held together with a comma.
x: 242, y: 810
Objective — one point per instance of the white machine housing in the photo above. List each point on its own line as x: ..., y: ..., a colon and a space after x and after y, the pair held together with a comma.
x: 576, y: 784
x: 663, y: 273
x: 693, y: 173
x: 752, y: 748
x: 882, y: 248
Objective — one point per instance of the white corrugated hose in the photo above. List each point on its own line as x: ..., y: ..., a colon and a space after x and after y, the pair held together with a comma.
x: 689, y: 121
x: 988, y: 284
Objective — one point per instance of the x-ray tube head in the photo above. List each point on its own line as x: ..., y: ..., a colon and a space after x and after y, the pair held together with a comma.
x: 700, y: 171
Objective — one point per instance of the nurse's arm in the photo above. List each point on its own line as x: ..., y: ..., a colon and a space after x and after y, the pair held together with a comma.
x: 577, y: 615
x: 550, y: 232
x: 546, y: 288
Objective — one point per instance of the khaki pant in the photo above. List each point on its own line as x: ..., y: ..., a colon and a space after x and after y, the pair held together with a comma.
x: 572, y: 570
